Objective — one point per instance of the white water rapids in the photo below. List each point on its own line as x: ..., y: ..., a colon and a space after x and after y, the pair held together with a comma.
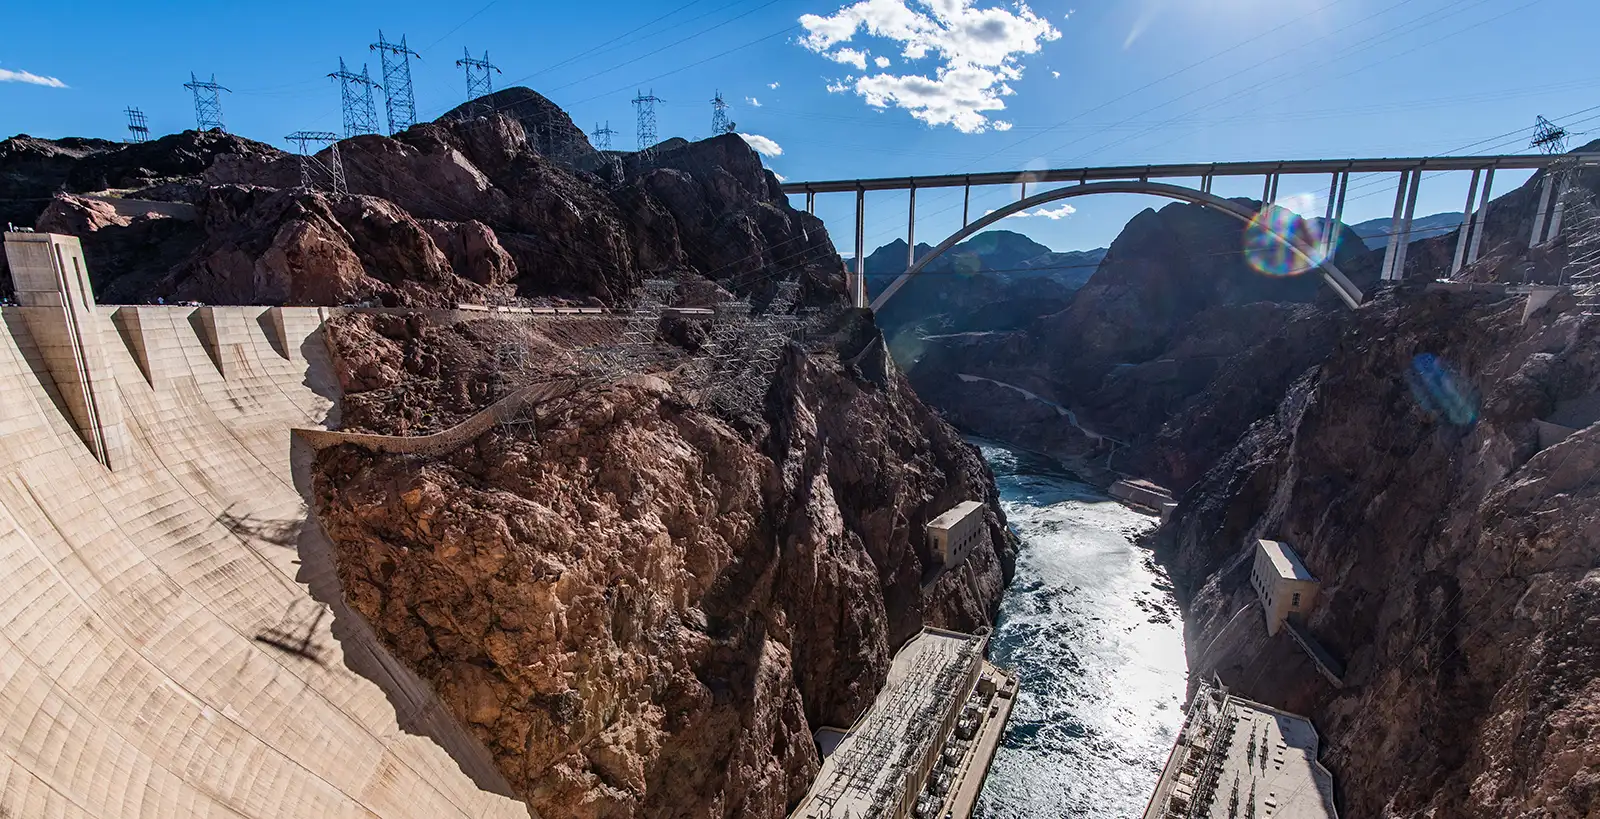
x: 1091, y: 626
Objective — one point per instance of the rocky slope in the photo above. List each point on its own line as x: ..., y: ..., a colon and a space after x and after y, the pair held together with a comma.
x: 644, y: 609
x: 996, y: 280
x: 1460, y: 561
x: 1157, y: 364
x: 642, y: 606
x: 1458, y: 544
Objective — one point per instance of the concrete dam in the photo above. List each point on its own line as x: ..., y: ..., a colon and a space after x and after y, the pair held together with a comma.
x: 173, y: 635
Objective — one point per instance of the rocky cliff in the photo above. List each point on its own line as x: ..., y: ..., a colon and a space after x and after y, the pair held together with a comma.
x: 1460, y: 560
x: 645, y: 609
x: 996, y: 280
x: 1156, y: 365
x: 1420, y: 469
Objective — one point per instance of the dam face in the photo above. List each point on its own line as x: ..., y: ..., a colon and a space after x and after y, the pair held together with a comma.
x: 173, y: 641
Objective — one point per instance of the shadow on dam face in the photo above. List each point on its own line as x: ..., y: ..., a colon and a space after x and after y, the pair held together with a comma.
x: 173, y: 637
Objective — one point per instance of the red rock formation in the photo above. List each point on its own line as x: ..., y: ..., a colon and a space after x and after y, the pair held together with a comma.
x: 646, y: 611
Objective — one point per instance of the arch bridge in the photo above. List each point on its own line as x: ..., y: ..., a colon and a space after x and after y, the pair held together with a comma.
x: 1077, y: 182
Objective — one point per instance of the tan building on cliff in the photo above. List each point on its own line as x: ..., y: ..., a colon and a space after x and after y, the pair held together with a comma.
x: 954, y: 534
x: 1282, y: 582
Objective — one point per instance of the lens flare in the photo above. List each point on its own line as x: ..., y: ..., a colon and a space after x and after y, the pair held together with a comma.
x: 1441, y: 391
x: 1272, y: 236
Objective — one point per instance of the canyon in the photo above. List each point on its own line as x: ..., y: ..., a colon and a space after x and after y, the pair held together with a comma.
x: 636, y: 601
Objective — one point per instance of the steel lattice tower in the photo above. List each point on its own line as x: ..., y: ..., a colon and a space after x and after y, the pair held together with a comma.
x: 355, y: 92
x: 138, y: 126
x: 719, y: 116
x: 646, y: 107
x: 1549, y: 137
x: 603, y: 135
x: 479, y: 82
x: 207, y: 103
x: 334, y: 169
x: 398, y: 101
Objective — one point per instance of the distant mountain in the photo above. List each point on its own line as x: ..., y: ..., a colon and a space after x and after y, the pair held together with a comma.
x: 1375, y: 232
x: 997, y: 280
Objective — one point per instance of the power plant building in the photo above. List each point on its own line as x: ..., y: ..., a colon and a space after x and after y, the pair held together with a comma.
x: 923, y: 747
x: 1236, y: 758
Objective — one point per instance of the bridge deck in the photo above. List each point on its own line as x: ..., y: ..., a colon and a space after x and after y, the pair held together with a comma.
x: 1290, y: 166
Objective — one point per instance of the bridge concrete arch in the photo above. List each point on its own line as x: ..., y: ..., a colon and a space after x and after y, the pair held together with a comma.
x: 1331, y: 275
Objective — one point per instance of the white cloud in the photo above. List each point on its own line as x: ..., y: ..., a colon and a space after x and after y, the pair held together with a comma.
x: 1060, y: 211
x: 773, y: 86
x: 7, y: 75
x: 850, y: 56
x: 762, y: 145
x: 978, y: 52
x: 753, y: 102
x: 881, y: 62
x: 1056, y: 74
x: 1002, y: 125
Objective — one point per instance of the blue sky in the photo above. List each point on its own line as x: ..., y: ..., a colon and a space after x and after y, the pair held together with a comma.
x: 878, y: 88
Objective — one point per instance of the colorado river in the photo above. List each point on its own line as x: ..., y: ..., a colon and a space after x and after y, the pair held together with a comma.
x: 1090, y: 625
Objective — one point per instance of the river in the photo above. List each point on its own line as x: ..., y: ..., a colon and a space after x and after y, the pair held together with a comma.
x: 1091, y: 626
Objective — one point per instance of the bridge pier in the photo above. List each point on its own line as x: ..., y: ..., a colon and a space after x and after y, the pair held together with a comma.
x: 1335, y: 213
x: 911, y: 229
x: 1479, y: 215
x: 811, y: 202
x: 858, y: 287
x: 1269, y: 191
x: 1405, y: 208
x: 966, y: 200
x: 1545, y: 186
x: 1465, y: 233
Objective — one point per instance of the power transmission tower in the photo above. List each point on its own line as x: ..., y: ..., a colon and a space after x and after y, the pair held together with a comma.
x: 602, y: 136
x: 355, y: 96
x: 398, y: 101
x: 719, y: 116
x: 479, y: 82
x: 1549, y: 137
x: 333, y: 169
x: 645, y: 105
x: 207, y: 103
x: 137, y: 126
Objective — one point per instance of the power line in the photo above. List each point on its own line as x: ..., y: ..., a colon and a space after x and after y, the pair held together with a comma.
x: 1548, y: 137
x: 617, y: 40
x: 719, y: 116
x: 207, y: 103
x: 310, y: 166
x: 645, y: 107
x: 355, y: 100
x: 138, y: 126
x: 399, y: 103
x: 480, y: 83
